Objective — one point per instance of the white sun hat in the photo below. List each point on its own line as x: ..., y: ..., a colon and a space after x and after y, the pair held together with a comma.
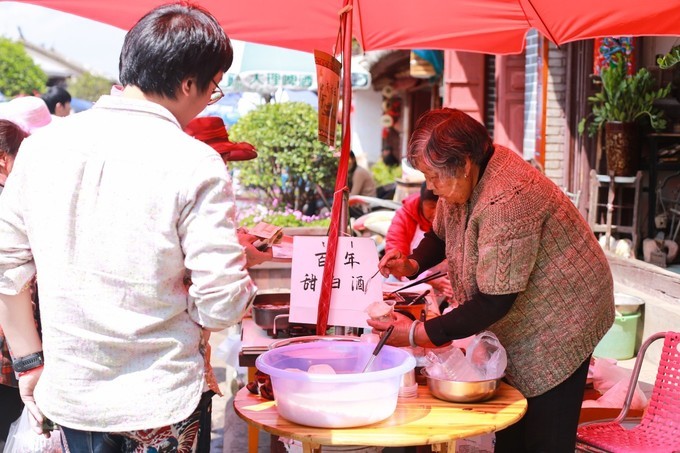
x: 28, y: 112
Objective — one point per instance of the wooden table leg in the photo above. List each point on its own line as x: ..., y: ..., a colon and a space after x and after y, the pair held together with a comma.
x: 253, y: 432
x: 308, y: 447
x: 447, y: 447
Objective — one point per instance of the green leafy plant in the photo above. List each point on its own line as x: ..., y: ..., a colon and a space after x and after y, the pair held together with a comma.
x: 286, y: 218
x: 385, y: 174
x: 670, y: 59
x: 90, y: 87
x: 291, y: 162
x: 625, y: 98
x: 670, y: 62
x: 18, y: 73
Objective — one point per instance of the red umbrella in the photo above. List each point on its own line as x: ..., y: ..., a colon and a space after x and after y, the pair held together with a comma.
x: 489, y: 26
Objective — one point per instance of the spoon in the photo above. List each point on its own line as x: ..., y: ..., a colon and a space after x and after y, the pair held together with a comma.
x: 369, y: 281
x: 377, y: 349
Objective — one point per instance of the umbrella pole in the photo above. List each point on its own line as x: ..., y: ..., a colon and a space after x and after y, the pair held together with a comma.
x: 346, y: 112
x: 339, y: 212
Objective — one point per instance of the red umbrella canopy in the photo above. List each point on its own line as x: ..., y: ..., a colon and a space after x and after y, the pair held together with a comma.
x: 489, y: 26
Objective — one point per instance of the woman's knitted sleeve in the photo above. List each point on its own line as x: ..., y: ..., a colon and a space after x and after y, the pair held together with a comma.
x: 469, y: 318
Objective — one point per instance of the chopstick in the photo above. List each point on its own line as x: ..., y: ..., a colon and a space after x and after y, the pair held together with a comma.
x: 417, y: 282
x: 419, y: 298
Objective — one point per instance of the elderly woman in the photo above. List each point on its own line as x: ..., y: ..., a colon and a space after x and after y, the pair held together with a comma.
x: 11, y: 137
x: 523, y: 264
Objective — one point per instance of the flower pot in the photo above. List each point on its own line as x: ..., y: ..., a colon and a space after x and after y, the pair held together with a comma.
x: 622, y: 147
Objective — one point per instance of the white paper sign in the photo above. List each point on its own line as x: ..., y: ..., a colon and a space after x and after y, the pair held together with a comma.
x: 356, y: 261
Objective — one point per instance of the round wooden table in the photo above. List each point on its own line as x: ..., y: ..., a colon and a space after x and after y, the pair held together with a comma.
x: 424, y: 420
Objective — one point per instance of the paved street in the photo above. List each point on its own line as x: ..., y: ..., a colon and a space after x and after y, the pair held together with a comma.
x: 219, y: 403
x: 229, y: 432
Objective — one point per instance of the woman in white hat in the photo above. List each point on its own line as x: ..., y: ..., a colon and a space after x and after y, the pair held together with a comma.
x: 28, y: 112
x: 11, y: 137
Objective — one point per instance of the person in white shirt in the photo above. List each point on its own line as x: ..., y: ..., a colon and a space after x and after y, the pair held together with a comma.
x: 112, y: 207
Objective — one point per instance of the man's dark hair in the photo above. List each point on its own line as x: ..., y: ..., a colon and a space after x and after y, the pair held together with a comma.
x: 55, y: 95
x: 443, y: 138
x: 169, y: 44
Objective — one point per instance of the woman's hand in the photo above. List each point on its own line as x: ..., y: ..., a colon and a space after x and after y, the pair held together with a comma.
x: 253, y: 255
x: 402, y: 325
x: 442, y: 286
x: 394, y: 262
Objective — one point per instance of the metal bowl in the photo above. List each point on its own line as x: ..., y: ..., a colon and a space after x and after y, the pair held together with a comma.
x: 462, y: 392
x: 627, y: 304
x: 412, y: 311
x: 267, y: 306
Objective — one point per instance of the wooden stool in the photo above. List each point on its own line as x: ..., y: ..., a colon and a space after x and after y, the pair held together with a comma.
x: 612, y: 211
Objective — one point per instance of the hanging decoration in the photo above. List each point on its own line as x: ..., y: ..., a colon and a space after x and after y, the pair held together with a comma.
x: 606, y: 48
x: 391, y: 139
x: 328, y: 76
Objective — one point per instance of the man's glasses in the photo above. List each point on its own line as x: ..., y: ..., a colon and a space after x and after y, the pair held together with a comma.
x: 216, y: 95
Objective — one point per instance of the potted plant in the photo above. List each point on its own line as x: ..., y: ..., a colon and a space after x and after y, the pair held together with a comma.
x: 622, y: 104
x: 670, y: 61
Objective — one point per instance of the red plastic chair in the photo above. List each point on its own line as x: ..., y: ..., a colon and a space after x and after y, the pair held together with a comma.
x: 659, y: 429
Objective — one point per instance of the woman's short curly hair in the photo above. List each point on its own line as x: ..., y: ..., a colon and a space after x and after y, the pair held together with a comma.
x: 442, y: 139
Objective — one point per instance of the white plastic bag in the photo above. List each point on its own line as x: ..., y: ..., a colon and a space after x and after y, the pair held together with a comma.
x: 22, y: 439
x: 615, y: 396
x: 605, y: 374
x: 450, y: 363
x: 612, y: 382
x: 487, y: 355
x: 484, y: 358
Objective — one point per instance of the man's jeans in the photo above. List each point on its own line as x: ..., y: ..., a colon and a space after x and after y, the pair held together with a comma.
x: 194, y: 430
x: 90, y: 441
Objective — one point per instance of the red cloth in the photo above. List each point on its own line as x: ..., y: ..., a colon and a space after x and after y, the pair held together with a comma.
x: 212, y: 131
x: 404, y: 225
